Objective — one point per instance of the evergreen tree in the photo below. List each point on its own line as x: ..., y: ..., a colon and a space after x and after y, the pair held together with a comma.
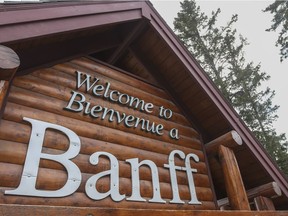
x: 279, y: 9
x: 220, y: 51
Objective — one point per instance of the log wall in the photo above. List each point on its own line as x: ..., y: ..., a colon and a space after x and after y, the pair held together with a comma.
x: 44, y: 93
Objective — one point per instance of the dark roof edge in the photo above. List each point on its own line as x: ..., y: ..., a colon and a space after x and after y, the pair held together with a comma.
x: 29, y: 19
x: 224, y: 107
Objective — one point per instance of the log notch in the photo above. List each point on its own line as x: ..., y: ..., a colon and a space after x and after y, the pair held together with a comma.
x: 232, y: 176
x: 9, y: 63
x: 263, y: 203
x: 231, y: 139
x: 270, y: 190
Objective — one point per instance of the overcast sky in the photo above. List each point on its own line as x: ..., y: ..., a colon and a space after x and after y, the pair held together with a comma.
x: 252, y: 23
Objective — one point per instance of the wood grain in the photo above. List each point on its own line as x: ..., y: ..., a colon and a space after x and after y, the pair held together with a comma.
x: 9, y: 63
x: 53, y: 105
x: 79, y: 199
x: 233, y: 181
x: 54, y: 140
x: 21, y: 210
x: 9, y: 149
x: 231, y: 139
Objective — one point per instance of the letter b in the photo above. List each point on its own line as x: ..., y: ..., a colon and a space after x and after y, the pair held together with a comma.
x: 27, y: 186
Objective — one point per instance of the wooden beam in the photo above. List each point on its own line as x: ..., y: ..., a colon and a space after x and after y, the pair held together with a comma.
x: 233, y: 181
x: 9, y: 63
x: 263, y: 203
x: 270, y: 190
x: 22, y: 210
x: 126, y: 43
x: 231, y: 139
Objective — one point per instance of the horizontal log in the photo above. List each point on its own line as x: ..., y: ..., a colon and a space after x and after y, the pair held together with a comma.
x: 86, y: 129
x: 27, y: 210
x: 231, y: 139
x: 12, y: 152
x: 79, y: 199
x: 53, y: 105
x: 49, y: 179
x: 270, y: 190
x: 16, y: 132
x: 68, y: 81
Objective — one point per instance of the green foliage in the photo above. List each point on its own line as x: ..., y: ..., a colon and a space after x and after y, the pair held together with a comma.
x: 220, y: 51
x: 279, y: 9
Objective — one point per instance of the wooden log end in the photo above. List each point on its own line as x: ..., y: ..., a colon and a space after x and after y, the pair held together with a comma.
x: 236, y: 137
x: 9, y: 62
x: 231, y: 139
x: 277, y: 190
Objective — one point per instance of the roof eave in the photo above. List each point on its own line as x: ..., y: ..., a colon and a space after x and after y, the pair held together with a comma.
x: 223, y: 106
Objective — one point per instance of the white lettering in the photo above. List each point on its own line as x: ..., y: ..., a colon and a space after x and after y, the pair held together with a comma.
x: 86, y: 80
x: 174, y: 133
x: 172, y: 168
x: 149, y: 107
x: 27, y: 184
x: 90, y: 186
x: 79, y: 102
x: 189, y: 172
x: 136, y: 181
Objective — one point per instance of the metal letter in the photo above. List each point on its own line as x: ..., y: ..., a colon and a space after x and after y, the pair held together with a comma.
x: 174, y: 133
x: 99, y: 88
x: 111, y: 95
x: 149, y: 107
x: 172, y: 168
x: 127, y: 99
x: 87, y: 80
x: 129, y: 119
x: 107, y: 90
x: 90, y: 186
x: 34, y: 154
x: 159, y: 128
x: 72, y: 100
x: 136, y: 181
x: 189, y: 171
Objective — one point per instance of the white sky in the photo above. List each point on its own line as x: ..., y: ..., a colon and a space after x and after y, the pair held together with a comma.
x: 252, y: 23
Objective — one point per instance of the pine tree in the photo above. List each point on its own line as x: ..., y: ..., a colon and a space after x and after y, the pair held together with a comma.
x: 279, y: 9
x: 220, y: 51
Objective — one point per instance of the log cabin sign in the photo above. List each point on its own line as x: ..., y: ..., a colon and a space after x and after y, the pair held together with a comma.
x: 27, y: 185
x: 109, y: 111
x: 104, y: 113
x: 104, y: 138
